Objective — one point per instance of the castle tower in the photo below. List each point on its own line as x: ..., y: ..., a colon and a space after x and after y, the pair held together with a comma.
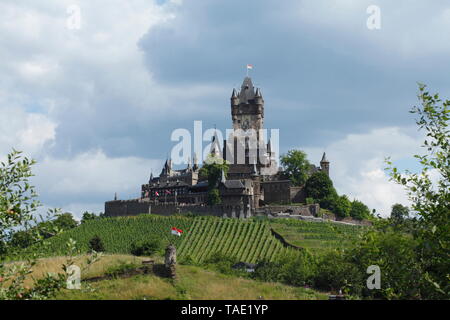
x: 325, y: 164
x: 247, y: 107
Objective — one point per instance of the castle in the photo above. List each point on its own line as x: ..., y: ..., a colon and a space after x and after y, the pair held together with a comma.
x: 253, y: 185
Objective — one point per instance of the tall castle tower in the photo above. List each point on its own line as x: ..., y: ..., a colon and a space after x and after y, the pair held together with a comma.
x: 247, y: 107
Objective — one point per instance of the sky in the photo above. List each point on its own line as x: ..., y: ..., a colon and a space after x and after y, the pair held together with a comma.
x: 94, y: 100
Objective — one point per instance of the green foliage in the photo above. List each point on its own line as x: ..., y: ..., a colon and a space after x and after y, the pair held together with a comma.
x: 296, y: 166
x: 342, y: 206
x: 87, y: 216
x: 214, y: 197
x: 212, y: 170
x: 118, y: 234
x: 317, y: 237
x: 399, y: 213
x: 431, y: 197
x: 395, y: 253
x: 96, y: 244
x: 319, y: 186
x: 17, y: 196
x: 296, y: 269
x: 309, y: 201
x: 18, y: 202
x: 335, y: 273
x: 148, y: 247
x: 221, y: 262
x: 359, y: 210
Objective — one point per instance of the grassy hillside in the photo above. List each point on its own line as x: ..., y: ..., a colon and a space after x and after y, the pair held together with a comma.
x: 247, y: 240
x: 316, y: 236
x: 192, y: 283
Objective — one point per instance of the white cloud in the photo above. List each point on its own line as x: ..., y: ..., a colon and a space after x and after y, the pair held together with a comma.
x: 28, y: 132
x: 93, y: 172
x: 357, y: 165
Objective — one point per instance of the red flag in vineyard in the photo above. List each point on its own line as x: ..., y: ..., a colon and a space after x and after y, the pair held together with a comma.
x: 176, y: 231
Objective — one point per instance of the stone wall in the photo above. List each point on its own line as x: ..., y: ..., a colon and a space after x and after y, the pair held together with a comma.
x: 277, y: 191
x: 138, y: 206
x: 304, y: 210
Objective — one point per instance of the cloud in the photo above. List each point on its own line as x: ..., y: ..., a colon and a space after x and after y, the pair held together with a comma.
x: 115, y: 89
x: 357, y: 165
x: 89, y: 177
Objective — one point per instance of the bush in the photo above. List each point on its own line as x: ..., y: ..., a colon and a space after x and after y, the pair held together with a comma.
x: 342, y: 206
x: 221, y: 262
x: 335, y: 273
x: 146, y: 248
x: 359, y: 210
x: 96, y: 244
x: 319, y: 186
x: 309, y: 201
x: 296, y: 270
x: 267, y: 271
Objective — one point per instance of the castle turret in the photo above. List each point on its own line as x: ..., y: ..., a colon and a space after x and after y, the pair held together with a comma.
x: 325, y: 164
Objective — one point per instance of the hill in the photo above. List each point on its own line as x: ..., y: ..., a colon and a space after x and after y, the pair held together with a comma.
x: 192, y: 282
x: 246, y: 240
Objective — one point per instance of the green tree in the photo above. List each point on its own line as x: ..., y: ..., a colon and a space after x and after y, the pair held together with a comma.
x: 359, y: 210
x: 319, y: 186
x: 96, y: 244
x: 87, y: 216
x: 342, y: 206
x: 212, y: 171
x: 399, y: 213
x: 431, y: 197
x: 296, y: 166
x: 18, y: 203
x: 214, y: 197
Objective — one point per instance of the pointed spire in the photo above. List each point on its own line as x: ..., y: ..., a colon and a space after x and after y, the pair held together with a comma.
x: 115, y: 196
x: 234, y: 93
x: 258, y: 93
x: 247, y: 90
x: 324, y: 158
x: 151, y: 177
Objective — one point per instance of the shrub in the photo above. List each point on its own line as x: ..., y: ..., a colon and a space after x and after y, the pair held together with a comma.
x: 319, y: 186
x: 309, y: 201
x: 267, y: 271
x: 359, y: 210
x: 335, y: 273
x: 96, y: 244
x: 342, y: 206
x: 146, y: 248
x: 221, y: 262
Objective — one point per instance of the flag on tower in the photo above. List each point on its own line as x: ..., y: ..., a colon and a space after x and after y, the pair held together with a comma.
x: 176, y: 231
x: 249, y: 66
x: 168, y: 192
x: 156, y: 193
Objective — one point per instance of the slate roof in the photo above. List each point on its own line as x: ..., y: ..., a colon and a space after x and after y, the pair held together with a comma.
x: 234, y: 184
